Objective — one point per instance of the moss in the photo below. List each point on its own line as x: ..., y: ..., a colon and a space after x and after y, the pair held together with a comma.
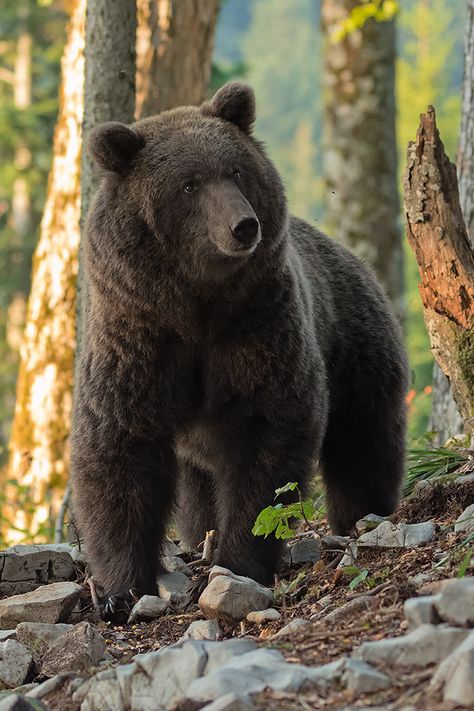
x: 465, y: 349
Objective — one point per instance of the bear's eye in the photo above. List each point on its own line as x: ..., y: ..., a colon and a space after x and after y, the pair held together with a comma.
x: 189, y: 188
x: 236, y: 174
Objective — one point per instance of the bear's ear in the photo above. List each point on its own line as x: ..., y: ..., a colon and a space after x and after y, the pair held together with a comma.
x: 234, y: 102
x: 113, y: 145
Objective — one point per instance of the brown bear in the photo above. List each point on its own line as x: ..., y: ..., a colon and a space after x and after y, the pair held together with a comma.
x: 227, y: 346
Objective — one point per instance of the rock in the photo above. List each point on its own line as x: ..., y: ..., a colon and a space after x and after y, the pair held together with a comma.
x: 233, y: 596
x: 402, y: 535
x: 433, y: 587
x: 166, y: 675
x: 456, y: 675
x: 15, y: 663
x: 39, y: 636
x: 325, y: 601
x: 218, y: 653
x: 174, y: 563
x: 305, y: 550
x: 149, y: 607
x: 368, y: 523
x: 361, y: 678
x: 354, y: 607
x: 203, y: 629
x: 9, y: 589
x: 420, y: 610
x: 17, y: 702
x: 465, y: 478
x: 294, y: 626
x: 350, y: 555
x: 465, y: 522
x: 230, y: 702
x: 7, y: 634
x: 35, y: 565
x: 77, y: 650
x: 455, y: 604
x: 105, y: 693
x: 427, y: 644
x: 170, y: 548
x: 49, y: 603
x: 262, y: 616
x: 50, y: 685
x: 172, y: 587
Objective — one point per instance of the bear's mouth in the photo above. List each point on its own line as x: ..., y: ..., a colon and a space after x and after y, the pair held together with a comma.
x: 239, y: 250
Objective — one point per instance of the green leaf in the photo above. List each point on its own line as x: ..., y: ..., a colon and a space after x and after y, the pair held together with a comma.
x: 465, y: 563
x: 358, y: 579
x: 290, y: 486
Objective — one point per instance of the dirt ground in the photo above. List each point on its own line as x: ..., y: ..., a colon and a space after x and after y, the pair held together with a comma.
x: 377, y: 610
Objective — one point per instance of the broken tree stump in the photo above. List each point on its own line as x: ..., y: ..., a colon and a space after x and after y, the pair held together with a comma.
x: 437, y: 234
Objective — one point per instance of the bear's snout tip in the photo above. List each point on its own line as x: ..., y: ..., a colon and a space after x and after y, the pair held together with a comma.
x: 246, y: 232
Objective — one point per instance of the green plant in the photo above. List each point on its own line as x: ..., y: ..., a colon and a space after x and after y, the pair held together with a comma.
x: 429, y: 463
x: 276, y: 519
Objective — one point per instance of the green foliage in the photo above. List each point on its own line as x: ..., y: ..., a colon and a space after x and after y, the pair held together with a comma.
x: 430, y: 463
x: 379, y: 10
x: 277, y: 519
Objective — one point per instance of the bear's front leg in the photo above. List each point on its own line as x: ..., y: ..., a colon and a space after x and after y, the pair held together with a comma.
x: 246, y: 487
x: 123, y: 491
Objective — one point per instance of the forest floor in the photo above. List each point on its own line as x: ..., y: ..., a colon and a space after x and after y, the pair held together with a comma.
x: 393, y: 576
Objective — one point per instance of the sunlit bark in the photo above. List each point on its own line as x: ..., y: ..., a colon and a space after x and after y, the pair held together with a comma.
x: 38, y: 460
x: 175, y: 39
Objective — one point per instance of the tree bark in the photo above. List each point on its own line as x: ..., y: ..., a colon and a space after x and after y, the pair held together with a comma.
x: 360, y: 145
x: 174, y: 53
x: 437, y: 233
x: 38, y: 459
x: 445, y: 418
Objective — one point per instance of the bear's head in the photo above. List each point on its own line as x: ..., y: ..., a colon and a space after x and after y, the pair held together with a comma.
x: 211, y: 200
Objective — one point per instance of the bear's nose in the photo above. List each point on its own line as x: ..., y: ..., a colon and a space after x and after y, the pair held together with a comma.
x: 246, y: 231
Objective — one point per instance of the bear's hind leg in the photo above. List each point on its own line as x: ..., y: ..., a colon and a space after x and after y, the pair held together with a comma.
x: 363, y: 457
x: 196, y: 504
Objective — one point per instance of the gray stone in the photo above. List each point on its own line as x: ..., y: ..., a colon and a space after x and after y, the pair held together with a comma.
x: 35, y: 564
x: 230, y: 702
x: 402, y: 535
x: 203, y: 629
x: 149, y: 607
x: 7, y: 634
x: 106, y: 694
x: 305, y: 550
x: 15, y: 663
x: 39, y: 636
x: 9, y: 589
x: 455, y: 603
x: 368, y: 523
x: 260, y: 617
x: 172, y: 587
x: 233, y: 596
x: 294, y: 626
x: 17, y: 702
x: 455, y: 675
x: 77, y: 555
x: 427, y: 644
x: 465, y: 479
x: 219, y: 653
x: 465, y: 522
x: 50, y: 685
x: 361, y: 678
x: 170, y: 548
x: 49, y: 603
x: 174, y: 563
x: 421, y: 610
x: 350, y: 555
x: 166, y: 675
x: 77, y: 650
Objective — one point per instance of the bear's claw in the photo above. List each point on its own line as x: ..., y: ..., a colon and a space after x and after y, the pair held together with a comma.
x: 117, y: 608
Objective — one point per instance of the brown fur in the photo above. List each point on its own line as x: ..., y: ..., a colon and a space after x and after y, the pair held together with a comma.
x: 218, y: 363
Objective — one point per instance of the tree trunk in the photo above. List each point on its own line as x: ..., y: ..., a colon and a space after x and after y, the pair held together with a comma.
x: 38, y: 448
x: 174, y: 53
x: 466, y: 139
x: 445, y: 418
x: 360, y: 145
x: 437, y: 234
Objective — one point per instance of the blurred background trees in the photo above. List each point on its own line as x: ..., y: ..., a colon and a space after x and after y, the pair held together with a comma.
x: 301, y: 79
